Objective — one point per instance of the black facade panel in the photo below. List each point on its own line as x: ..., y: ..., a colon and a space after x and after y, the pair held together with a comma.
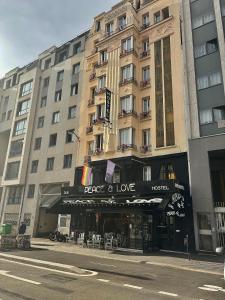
x: 211, y: 97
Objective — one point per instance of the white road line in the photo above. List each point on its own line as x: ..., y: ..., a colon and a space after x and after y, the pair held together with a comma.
x: 168, y: 294
x: 103, y: 280
x: 92, y: 273
x: 218, y: 288
x: 133, y: 286
x: 5, y: 273
x: 207, y: 289
x: 92, y: 262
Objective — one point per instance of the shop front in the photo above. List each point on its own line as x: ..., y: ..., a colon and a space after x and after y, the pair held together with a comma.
x: 144, y: 216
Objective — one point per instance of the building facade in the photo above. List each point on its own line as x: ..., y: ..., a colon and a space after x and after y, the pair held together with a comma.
x: 205, y: 70
x: 39, y: 139
x: 134, y: 51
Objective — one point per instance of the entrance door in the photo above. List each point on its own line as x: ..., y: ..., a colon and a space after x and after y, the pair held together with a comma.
x: 166, y: 232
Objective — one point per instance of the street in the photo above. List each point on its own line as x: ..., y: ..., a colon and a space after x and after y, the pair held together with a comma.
x: 43, y: 274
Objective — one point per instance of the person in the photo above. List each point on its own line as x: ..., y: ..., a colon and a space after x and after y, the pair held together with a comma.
x: 22, y: 228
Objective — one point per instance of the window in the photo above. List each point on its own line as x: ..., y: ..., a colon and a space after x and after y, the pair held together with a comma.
x: 209, y: 80
x: 47, y: 63
x: 76, y: 68
x: 46, y: 82
x: 219, y: 113
x: 70, y: 136
x: 127, y: 104
x: 41, y: 121
x: 146, y: 73
x: 126, y: 136
x: 23, y: 107
x: 8, y: 84
x: 72, y: 112
x: 52, y: 140
x: 3, y: 116
x: 37, y: 143
x: 146, y: 104
x: 20, y: 127
x: 167, y: 172
x: 14, y: 195
x: 206, y: 116
x: 100, y: 111
x: 206, y: 48
x: 147, y: 173
x: 62, y: 56
x: 165, y: 13
x: 204, y: 221
x: 99, y: 142
x: 25, y: 88
x: 128, y: 44
x: 146, y: 137
x: 122, y: 22
x: 97, y: 26
x: 103, y: 56
x: 16, y: 148
x: 128, y: 72
x: 74, y: 89
x: 43, y: 101
x: 145, y: 20
x: 157, y: 17
x: 58, y: 96
x: 9, y: 114
x: 67, y: 161
x: 56, y: 117
x: 102, y: 82
x: 5, y: 105
x: 60, y: 75
x: 145, y: 45
x: 34, y: 166
x: 12, y: 171
x: 91, y: 119
x: 109, y: 28
x: 50, y: 164
x: 91, y: 147
x: 77, y: 48
x: 11, y: 218
x: 203, y: 19
x: 31, y: 190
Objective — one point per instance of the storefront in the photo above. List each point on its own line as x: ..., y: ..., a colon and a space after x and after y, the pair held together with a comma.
x: 142, y: 215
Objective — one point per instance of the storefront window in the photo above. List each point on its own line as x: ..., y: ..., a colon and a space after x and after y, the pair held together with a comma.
x: 204, y: 222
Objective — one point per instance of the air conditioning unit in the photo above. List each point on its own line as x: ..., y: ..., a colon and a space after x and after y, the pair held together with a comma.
x: 221, y: 123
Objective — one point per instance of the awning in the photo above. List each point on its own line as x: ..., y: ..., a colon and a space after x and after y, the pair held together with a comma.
x: 48, y: 201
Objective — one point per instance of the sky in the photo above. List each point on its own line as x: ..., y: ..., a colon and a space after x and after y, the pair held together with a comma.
x: 28, y: 27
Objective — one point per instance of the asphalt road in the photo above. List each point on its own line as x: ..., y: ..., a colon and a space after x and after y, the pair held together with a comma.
x: 42, y: 274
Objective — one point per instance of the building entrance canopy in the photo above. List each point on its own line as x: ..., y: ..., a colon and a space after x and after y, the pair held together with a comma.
x: 163, y: 195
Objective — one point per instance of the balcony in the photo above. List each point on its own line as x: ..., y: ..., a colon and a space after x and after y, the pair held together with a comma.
x: 144, y: 149
x: 144, y: 54
x: 127, y: 52
x: 91, y: 102
x: 124, y: 147
x: 97, y: 151
x: 92, y: 76
x: 145, y: 115
x: 100, y: 91
x: 128, y: 81
x: 126, y: 113
x: 101, y: 64
x: 89, y: 129
x: 145, y: 84
x: 144, y: 26
x: 98, y: 121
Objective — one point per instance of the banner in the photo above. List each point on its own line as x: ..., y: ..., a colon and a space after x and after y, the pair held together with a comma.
x: 108, y: 105
x: 87, y: 176
x: 109, y: 171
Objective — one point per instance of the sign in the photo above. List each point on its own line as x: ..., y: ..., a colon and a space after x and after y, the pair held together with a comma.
x: 108, y: 94
x: 176, y: 206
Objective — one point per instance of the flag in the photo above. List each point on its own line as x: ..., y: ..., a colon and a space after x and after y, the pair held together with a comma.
x: 87, y: 176
x: 109, y: 171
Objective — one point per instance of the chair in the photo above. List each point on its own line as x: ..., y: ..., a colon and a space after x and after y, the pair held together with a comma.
x: 80, y: 240
x: 97, y: 241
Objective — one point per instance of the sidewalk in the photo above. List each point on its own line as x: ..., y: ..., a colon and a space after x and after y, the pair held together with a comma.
x: 198, y: 263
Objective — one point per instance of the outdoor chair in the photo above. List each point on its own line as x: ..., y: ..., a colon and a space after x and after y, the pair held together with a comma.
x: 80, y: 240
x: 97, y: 241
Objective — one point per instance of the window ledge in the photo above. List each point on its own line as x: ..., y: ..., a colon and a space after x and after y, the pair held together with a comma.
x: 165, y: 147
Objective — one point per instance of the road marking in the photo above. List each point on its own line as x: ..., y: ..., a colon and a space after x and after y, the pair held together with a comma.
x: 168, y: 294
x: 92, y: 273
x: 133, y: 286
x: 103, y: 280
x: 92, y: 262
x: 5, y: 273
x: 207, y: 289
x: 214, y: 287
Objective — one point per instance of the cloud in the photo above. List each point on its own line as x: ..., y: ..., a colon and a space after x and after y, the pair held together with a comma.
x: 28, y: 27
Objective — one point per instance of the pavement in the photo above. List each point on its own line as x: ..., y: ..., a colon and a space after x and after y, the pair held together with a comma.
x: 211, y: 264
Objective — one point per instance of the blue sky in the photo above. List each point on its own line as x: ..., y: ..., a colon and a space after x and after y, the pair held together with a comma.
x: 28, y: 27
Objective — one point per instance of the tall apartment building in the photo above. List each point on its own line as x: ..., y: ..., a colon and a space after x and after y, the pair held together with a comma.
x: 204, y: 25
x: 134, y: 51
x: 40, y: 116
